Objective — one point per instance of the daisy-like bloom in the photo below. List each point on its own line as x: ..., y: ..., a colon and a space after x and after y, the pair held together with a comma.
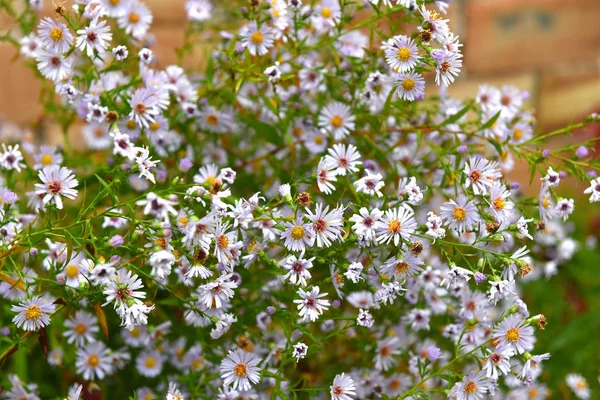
x: 418, y: 319
x: 157, y: 206
x: 473, y: 387
x: 364, y: 318
x: 406, y: 266
x: 33, y: 314
x: 352, y: 44
x: 214, y: 295
x: 149, y: 363
x: 456, y: 277
x: 325, y: 175
x: 240, y: 370
x: 401, y: 53
x: 409, y: 190
x: 511, y: 101
x: 354, y: 272
x: 346, y: 158
x: 488, y: 97
x: 343, y: 387
x: 53, y: 66
x: 120, y: 52
x: 123, y: 145
x: 135, y: 19
x: 300, y: 351
x: 12, y: 158
x: 434, y: 226
x: 143, y: 107
x: 370, y: 184
x: 437, y: 26
x: 199, y: 10
x: 311, y: 304
x: 594, y: 190
x: 515, y: 332
x: 94, y: 37
x: 298, y: 235
x: 579, y: 386
x: 397, y: 224
x: 145, y: 164
x: 387, y: 349
x: 174, y: 393
x: 460, y: 214
x: 365, y: 223
x: 448, y: 67
x: 56, y: 182
x: 532, y: 369
x: 481, y: 174
x: 337, y: 119
x: 500, y: 204
x: 410, y: 86
x: 227, y: 247
x: 55, y: 36
x: 298, y: 269
x: 273, y: 73
x: 498, y: 362
x: 326, y: 15
x: 327, y: 226
x: 500, y: 290
x: 30, y: 45
x: 123, y: 289
x: 46, y: 157
x: 564, y: 208
x: 94, y: 361
x: 81, y: 329
x: 257, y: 40
x: 522, y: 228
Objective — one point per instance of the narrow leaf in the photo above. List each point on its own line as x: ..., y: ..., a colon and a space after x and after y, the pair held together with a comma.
x: 101, y: 318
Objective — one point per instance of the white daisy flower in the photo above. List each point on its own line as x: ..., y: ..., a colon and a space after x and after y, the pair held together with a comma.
x: 12, y: 158
x: 498, y: 362
x: 300, y: 351
x: 149, y: 363
x: 401, y: 53
x: 410, y: 86
x: 345, y: 157
x: 94, y: 361
x: 365, y: 223
x: 370, y: 184
x: 473, y: 387
x: 594, y: 190
x: 240, y: 370
x: 327, y: 226
x: 343, y: 387
x: 94, y: 37
x: 481, y: 174
x: 579, y: 386
x: 33, y: 314
x: 81, y: 328
x: 257, y: 40
x: 515, y: 332
x: 298, y: 235
x: 397, y: 224
x: 56, y: 182
x: 55, y: 36
x: 53, y: 66
x: 311, y: 304
x: 298, y: 269
x: 460, y: 214
x: 325, y: 175
x: 135, y: 18
x: 337, y: 119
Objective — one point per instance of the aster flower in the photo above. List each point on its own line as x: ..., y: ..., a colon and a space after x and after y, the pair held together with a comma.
x: 594, y: 190
x: 434, y: 226
x: 53, y: 66
x: 12, y: 158
x: 143, y: 107
x: 217, y: 293
x: 337, y: 119
x: 298, y: 269
x: 532, y: 368
x: 401, y: 53
x: 387, y: 349
x: 46, y: 157
x: 135, y: 19
x: 311, y: 304
x: 398, y: 224
x: 33, y: 314
x: 564, y: 208
x: 515, y: 332
x: 257, y: 40
x: 95, y: 37
x: 298, y: 235
x: 460, y: 214
x: 474, y: 386
x: 343, y: 388
x: 56, y: 182
x: 345, y: 157
x: 81, y: 328
x: 579, y: 386
x: 55, y: 36
x: 94, y: 361
x: 370, y: 184
x: 365, y: 223
x: 410, y: 86
x: 300, y: 351
x: 240, y: 370
x: 403, y: 267
x: 448, y: 67
x: 120, y: 52
x: 326, y: 226
x: 149, y: 363
x: 500, y: 204
x: 498, y: 362
x: 481, y: 174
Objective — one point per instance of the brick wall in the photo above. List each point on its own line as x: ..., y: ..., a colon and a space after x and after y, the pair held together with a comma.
x: 549, y: 47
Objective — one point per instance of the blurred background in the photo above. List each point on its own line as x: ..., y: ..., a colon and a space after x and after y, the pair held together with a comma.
x: 550, y: 48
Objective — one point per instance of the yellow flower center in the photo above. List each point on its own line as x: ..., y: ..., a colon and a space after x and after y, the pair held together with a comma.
x: 408, y: 84
x: 545, y: 202
x: 93, y: 361
x: 46, y: 159
x: 197, y: 364
x: 80, y: 329
x: 115, y: 2
x: 154, y: 126
x: 150, y: 362
x: 134, y: 18
x: 394, y: 226
x: 212, y: 119
x: 326, y: 12
x: 470, y: 387
x: 56, y: 34
x: 319, y: 139
x: 223, y: 242
x: 130, y: 124
x: 336, y: 121
x: 518, y: 134
x: 499, y: 204
x: 459, y: 214
x: 33, y: 313
x: 257, y: 38
x: 298, y: 233
x: 402, y: 267
x: 72, y: 271
x: 403, y: 54
x: 240, y: 370
x: 512, y: 335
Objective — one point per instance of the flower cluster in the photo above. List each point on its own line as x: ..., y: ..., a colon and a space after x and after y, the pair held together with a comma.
x: 299, y: 203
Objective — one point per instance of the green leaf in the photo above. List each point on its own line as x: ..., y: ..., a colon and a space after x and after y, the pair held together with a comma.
x: 452, y: 119
x: 267, y: 131
x: 490, y: 122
